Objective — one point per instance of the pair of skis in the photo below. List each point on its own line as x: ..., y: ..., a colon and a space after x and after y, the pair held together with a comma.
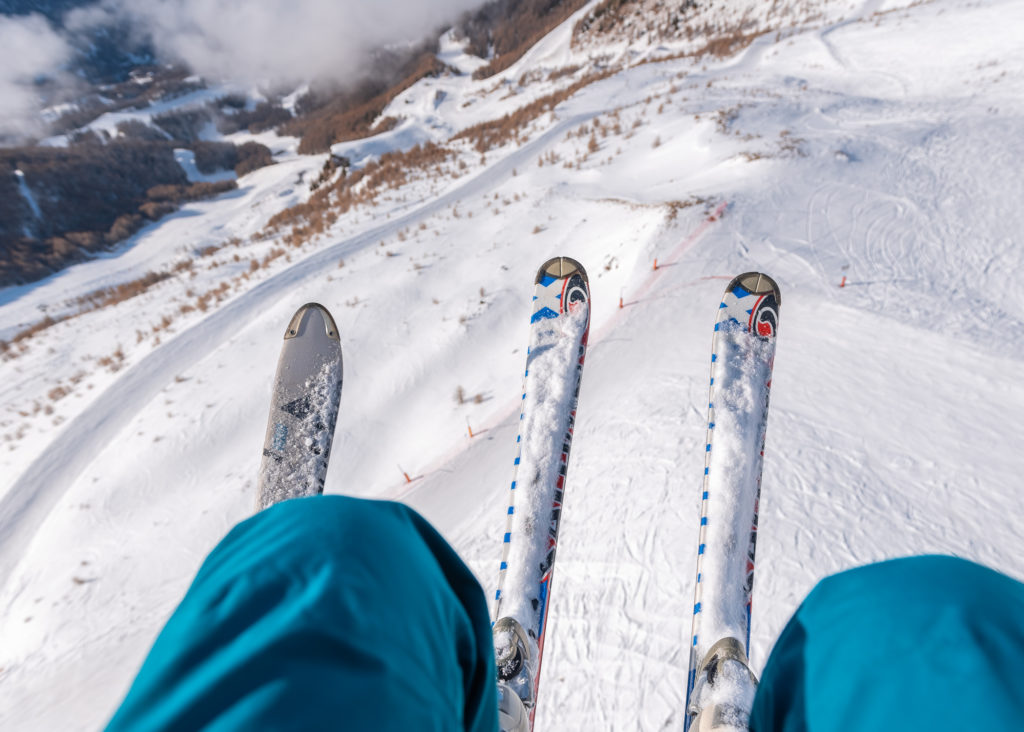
x: 307, y: 393
x: 720, y: 686
x: 304, y: 410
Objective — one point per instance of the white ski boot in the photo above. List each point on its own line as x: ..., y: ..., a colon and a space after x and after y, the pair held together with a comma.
x: 515, y: 661
x: 512, y: 715
x: 723, y: 692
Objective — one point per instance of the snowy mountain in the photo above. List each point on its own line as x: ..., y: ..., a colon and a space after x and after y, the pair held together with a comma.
x: 872, y: 145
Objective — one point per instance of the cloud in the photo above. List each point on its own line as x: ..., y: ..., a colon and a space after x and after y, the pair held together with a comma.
x: 255, y: 42
x: 278, y: 41
x: 33, y: 52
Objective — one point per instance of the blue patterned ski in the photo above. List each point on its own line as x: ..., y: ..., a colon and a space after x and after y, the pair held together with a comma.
x: 559, y: 326
x: 742, y: 356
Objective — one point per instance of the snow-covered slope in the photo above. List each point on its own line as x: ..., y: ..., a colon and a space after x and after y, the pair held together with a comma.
x: 882, y: 148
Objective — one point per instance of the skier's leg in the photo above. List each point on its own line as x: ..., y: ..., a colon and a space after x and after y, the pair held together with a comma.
x: 323, y: 613
x: 929, y: 643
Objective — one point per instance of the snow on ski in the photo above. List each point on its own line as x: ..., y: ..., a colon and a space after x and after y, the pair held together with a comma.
x: 742, y: 354
x: 303, y: 409
x: 559, y: 327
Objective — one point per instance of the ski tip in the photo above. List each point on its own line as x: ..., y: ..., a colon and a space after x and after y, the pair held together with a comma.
x: 756, y: 283
x: 312, y: 315
x: 560, y: 268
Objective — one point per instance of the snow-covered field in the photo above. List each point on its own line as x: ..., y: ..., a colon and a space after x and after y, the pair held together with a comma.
x: 883, y: 148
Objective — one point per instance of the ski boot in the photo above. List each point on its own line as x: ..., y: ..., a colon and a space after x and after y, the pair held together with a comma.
x: 512, y: 652
x: 723, y: 692
x: 512, y: 715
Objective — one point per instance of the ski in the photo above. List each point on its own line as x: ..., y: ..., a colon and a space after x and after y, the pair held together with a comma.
x: 559, y: 327
x: 742, y: 356
x: 303, y: 409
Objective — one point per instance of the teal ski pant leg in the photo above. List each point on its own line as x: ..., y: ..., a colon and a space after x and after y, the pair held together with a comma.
x: 923, y: 643
x: 323, y: 613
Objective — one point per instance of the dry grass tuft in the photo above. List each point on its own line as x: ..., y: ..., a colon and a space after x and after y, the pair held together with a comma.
x: 359, y: 188
x: 495, y: 133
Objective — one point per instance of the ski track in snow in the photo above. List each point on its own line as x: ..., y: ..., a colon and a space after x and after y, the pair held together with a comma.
x: 895, y: 408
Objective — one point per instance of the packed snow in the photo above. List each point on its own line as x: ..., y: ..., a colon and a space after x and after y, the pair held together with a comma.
x: 879, y: 150
x: 187, y: 160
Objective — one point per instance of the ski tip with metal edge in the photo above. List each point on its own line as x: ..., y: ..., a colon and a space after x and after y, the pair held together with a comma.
x: 752, y: 300
x: 312, y: 318
x: 303, y: 409
x: 561, y: 285
x: 558, y: 268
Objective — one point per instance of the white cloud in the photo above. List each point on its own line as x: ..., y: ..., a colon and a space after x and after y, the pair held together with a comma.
x: 267, y: 41
x: 257, y: 42
x: 31, y: 50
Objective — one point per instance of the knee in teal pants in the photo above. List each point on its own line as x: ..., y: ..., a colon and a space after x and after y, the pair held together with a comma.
x: 923, y: 643
x: 323, y: 613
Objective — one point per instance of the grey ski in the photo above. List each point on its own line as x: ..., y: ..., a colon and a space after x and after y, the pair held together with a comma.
x: 303, y: 408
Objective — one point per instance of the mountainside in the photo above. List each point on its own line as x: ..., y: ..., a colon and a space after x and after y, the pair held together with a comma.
x: 120, y: 109
x: 826, y: 146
